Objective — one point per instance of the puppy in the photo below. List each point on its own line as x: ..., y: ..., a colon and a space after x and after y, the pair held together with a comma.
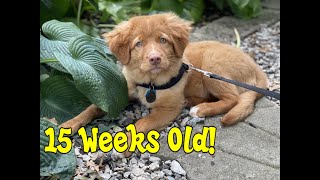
x: 152, y: 50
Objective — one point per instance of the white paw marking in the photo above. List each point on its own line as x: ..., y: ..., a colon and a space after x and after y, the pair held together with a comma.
x: 193, y: 112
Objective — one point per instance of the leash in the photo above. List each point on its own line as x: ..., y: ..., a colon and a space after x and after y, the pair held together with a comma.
x: 237, y: 83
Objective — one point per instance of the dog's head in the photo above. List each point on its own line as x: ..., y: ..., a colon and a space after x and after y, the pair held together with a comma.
x: 150, y: 43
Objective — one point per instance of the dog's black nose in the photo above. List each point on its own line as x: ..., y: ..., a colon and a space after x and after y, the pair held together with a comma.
x: 154, y: 59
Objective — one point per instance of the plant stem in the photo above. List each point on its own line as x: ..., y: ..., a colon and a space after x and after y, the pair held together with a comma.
x: 106, y: 25
x: 93, y: 23
x: 238, y: 37
x: 48, y: 60
x: 74, y: 6
x: 79, y: 13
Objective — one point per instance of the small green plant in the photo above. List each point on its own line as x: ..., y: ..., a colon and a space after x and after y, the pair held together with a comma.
x: 188, y: 9
x: 82, y: 71
x: 119, y: 10
x: 90, y: 15
x: 115, y: 10
x: 53, y: 9
x: 241, y: 8
x: 70, y: 11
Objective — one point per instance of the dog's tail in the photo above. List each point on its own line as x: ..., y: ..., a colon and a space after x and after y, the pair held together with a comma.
x: 245, y: 105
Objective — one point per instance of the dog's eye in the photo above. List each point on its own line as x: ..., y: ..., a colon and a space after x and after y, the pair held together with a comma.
x: 163, y: 40
x: 139, y: 44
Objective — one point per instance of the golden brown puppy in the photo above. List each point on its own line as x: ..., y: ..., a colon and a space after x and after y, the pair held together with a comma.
x: 152, y: 49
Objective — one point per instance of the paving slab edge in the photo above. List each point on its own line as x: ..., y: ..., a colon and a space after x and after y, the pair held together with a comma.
x: 247, y: 158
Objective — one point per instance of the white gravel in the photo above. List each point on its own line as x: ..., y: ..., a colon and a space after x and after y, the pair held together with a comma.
x: 264, y: 47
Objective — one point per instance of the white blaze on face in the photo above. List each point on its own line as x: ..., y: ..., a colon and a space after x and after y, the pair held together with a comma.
x: 153, y: 50
x: 152, y: 47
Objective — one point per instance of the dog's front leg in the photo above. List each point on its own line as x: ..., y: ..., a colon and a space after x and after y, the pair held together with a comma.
x: 158, y: 119
x: 85, y: 117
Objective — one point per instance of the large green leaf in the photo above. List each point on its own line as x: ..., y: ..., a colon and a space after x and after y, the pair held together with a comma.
x: 219, y: 4
x: 167, y: 5
x: 98, y: 79
x: 61, y: 165
x: 55, y: 37
x: 94, y: 3
x: 100, y: 42
x: 245, y: 8
x: 60, y: 99
x: 194, y: 9
x: 243, y: 3
x: 120, y: 10
x: 84, y: 27
x: 47, y: 47
x: 188, y: 9
x: 60, y: 31
x: 116, y: 9
x: 43, y: 70
x: 52, y: 9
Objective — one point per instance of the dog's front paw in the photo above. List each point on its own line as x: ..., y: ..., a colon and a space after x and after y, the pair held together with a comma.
x: 127, y: 153
x: 193, y: 111
x: 196, y: 112
x: 74, y: 124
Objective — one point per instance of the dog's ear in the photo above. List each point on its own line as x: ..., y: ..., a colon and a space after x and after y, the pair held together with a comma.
x: 118, y: 41
x: 180, y: 30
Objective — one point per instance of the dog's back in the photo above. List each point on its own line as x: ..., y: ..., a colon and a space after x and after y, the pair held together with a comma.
x: 228, y: 62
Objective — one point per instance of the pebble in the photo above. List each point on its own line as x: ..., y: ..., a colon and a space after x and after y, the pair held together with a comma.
x: 130, y: 115
x: 155, y: 176
x: 133, y: 161
x: 113, y: 178
x: 86, y: 157
x: 105, y: 176
x: 145, y: 156
x: 137, y: 171
x: 184, y: 121
x: 117, y: 129
x: 107, y: 169
x: 167, y: 172
x: 126, y: 174
x: 118, y: 169
x: 167, y: 162
x: 154, y: 159
x: 177, y: 176
x: 154, y: 166
x: 79, y: 162
x: 140, y: 164
x: 194, y: 121
x: 144, y: 114
x: 175, y: 167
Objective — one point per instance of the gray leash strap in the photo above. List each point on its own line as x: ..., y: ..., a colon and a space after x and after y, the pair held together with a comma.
x: 237, y: 83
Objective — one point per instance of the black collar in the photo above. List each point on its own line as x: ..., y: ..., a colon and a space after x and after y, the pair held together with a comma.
x: 173, y: 81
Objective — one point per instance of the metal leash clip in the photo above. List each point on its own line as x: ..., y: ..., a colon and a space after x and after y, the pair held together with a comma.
x: 206, y: 73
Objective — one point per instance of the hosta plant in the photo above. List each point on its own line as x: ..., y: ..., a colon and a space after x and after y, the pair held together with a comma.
x: 76, y: 70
